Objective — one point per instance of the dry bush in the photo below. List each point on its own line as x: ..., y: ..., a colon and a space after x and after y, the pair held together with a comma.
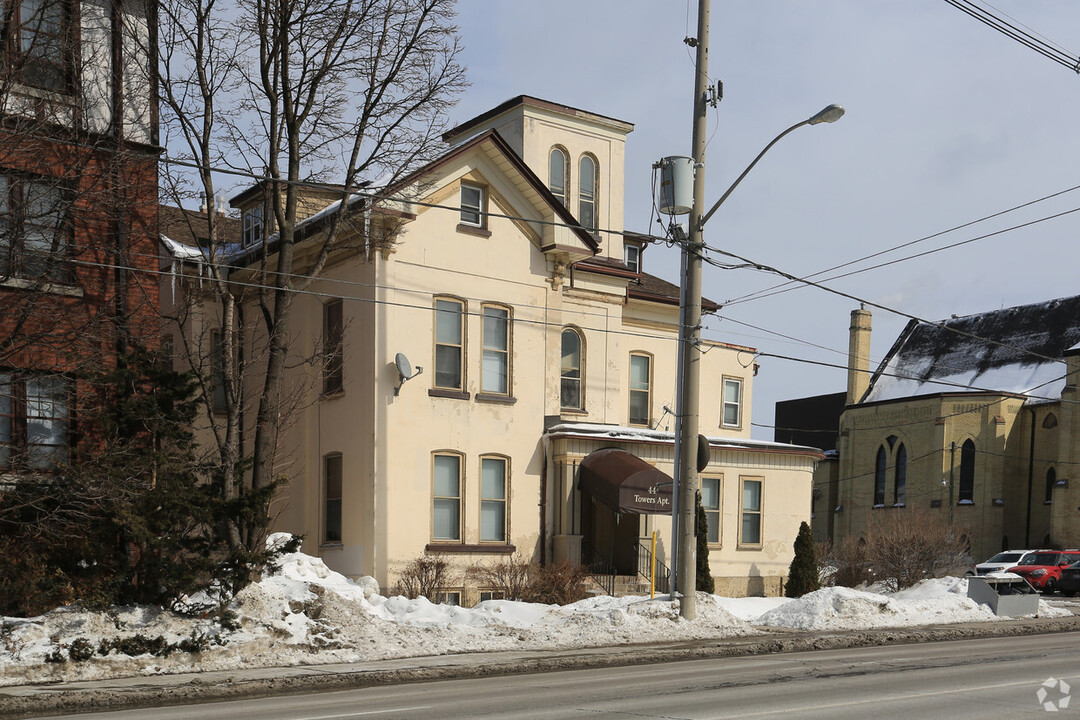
x: 906, y: 546
x: 845, y: 563
x: 558, y: 583
x: 424, y: 576
x: 509, y: 577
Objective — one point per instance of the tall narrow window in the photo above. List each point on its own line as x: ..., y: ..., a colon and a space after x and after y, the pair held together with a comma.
x: 449, y: 348
x: 587, y: 192
x: 557, y: 174
x: 1051, y: 475
x: 640, y: 389
x: 900, y: 476
x: 472, y: 205
x: 879, y: 476
x: 446, y: 498
x: 632, y: 257
x: 967, y: 473
x: 252, y: 229
x: 333, y: 347
x: 217, y: 369
x: 492, y: 499
x: 710, y: 502
x: 732, y: 402
x: 7, y: 418
x: 495, y: 365
x: 572, y: 396
x: 34, y: 229
x: 750, y: 524
x: 332, y: 499
x: 39, y: 47
x: 34, y: 421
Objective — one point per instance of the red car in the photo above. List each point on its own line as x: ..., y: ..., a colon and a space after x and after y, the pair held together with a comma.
x: 1042, y: 569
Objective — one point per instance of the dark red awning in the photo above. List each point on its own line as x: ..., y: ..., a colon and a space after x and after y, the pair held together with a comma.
x: 625, y: 483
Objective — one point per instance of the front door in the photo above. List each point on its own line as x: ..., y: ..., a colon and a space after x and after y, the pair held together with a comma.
x: 613, y: 536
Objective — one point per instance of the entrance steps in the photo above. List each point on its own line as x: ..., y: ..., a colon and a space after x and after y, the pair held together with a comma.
x: 622, y: 585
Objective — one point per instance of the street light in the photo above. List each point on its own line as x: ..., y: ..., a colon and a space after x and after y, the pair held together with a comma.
x: 689, y: 373
x: 829, y: 115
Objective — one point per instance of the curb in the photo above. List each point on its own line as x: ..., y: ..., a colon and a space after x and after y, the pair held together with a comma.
x: 28, y: 701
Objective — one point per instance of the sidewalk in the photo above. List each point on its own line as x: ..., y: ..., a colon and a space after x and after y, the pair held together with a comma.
x: 114, y: 694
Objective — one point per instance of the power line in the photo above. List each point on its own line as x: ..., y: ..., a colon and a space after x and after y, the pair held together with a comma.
x: 780, y: 287
x: 1048, y: 50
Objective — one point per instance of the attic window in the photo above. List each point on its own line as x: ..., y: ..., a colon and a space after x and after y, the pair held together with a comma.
x: 472, y: 205
x: 252, y: 230
x: 632, y: 256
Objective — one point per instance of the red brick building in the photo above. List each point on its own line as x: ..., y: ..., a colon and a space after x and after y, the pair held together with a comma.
x: 78, y: 212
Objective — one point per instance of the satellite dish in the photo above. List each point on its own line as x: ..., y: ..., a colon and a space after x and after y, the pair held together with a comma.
x: 404, y: 367
x: 405, y: 370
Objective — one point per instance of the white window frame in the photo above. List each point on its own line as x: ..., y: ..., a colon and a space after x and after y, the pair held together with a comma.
x: 472, y: 213
x: 252, y: 224
x: 632, y: 256
x: 725, y: 403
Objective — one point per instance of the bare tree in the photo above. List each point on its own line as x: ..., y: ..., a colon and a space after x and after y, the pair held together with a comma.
x: 289, y: 92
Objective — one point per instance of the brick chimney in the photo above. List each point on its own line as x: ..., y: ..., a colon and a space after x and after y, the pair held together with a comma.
x: 858, y: 377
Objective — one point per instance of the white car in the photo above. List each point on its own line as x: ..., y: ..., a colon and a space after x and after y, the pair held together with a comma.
x: 1001, y: 562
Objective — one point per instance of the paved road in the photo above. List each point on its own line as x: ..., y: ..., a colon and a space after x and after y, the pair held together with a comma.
x: 985, y: 678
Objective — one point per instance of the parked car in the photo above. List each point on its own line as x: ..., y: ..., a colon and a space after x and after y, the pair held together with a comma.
x: 1069, y: 584
x: 1002, y: 561
x: 1042, y: 568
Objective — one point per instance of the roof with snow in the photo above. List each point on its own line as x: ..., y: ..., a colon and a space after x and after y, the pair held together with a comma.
x: 1016, y: 350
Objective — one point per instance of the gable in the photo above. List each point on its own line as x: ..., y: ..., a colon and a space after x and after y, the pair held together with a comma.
x: 515, y: 191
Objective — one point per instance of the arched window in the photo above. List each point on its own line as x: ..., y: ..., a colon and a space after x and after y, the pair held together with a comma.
x: 967, y: 473
x: 573, y: 398
x: 587, y: 192
x: 557, y: 172
x: 900, y: 475
x: 1051, y: 480
x: 879, y: 476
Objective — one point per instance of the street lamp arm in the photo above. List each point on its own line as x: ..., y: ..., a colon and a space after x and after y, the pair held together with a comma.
x: 830, y: 114
x: 716, y: 206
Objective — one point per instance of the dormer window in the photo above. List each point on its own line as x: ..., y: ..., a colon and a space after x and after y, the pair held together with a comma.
x: 472, y: 205
x: 587, y: 192
x: 252, y: 229
x: 632, y: 257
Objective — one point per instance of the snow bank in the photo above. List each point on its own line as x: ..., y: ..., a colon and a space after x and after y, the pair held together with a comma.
x: 304, y: 613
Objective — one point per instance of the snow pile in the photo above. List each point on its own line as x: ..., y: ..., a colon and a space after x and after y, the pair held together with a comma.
x: 305, y: 614
x: 938, y: 601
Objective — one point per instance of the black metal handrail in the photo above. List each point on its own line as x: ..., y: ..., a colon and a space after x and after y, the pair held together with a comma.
x: 662, y: 580
x: 600, y: 567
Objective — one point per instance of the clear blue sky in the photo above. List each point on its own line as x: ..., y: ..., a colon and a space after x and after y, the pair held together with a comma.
x: 947, y: 122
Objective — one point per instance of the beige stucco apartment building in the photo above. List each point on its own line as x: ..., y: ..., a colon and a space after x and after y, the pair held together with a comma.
x: 482, y: 359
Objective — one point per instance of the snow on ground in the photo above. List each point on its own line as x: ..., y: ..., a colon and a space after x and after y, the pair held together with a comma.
x: 307, y: 614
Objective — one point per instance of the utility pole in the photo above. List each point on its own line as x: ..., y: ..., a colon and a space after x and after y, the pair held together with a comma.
x: 691, y: 332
